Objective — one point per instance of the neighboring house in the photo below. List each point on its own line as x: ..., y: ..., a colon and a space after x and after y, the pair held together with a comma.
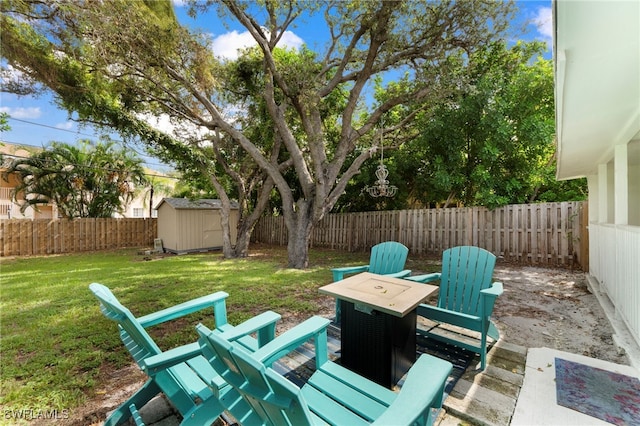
x: 145, y: 204
x: 139, y: 207
x: 597, y: 93
x: 8, y: 208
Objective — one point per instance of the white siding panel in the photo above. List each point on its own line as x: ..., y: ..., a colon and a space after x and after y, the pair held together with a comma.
x: 615, y: 263
x: 628, y: 274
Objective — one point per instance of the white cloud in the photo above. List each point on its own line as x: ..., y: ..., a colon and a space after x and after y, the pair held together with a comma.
x: 67, y: 125
x: 544, y: 22
x: 289, y: 39
x: 227, y: 45
x: 9, y: 74
x: 180, y: 130
x: 22, y: 113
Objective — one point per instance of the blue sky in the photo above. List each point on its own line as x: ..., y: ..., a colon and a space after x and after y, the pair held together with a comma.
x: 37, y: 121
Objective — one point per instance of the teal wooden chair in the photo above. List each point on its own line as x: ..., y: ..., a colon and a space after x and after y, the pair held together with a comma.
x: 387, y: 258
x: 466, y: 297
x: 332, y: 395
x: 187, y: 379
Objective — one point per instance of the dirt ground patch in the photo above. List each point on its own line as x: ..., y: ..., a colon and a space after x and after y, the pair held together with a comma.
x: 553, y: 308
x: 540, y: 307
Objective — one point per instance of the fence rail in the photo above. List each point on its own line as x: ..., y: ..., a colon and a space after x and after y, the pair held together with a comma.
x: 19, y: 237
x: 549, y: 234
x: 553, y: 234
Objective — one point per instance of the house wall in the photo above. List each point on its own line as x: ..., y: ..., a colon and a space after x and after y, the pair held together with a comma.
x: 139, y: 206
x: 8, y: 208
x: 614, y: 234
x: 610, y: 205
x: 634, y: 183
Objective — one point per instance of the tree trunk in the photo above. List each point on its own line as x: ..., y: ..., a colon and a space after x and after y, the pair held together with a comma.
x: 227, y: 249
x: 247, y: 223
x: 299, y: 228
x: 241, y: 248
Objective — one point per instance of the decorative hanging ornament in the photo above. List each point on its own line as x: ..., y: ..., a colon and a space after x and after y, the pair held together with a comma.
x: 381, y: 188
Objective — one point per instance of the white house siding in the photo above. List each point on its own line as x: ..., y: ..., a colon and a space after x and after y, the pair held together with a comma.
x: 614, y: 233
x: 634, y: 183
x: 615, y: 264
x: 597, y: 64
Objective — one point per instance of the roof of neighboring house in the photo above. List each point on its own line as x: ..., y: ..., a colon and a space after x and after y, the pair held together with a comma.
x: 200, y: 204
x: 597, y: 64
x: 12, y: 150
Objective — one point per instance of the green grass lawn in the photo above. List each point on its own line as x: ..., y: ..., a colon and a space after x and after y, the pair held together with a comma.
x: 55, y: 343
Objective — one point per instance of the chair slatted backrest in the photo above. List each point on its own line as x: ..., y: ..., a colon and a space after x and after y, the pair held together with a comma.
x: 388, y: 258
x: 141, y: 346
x: 271, y: 396
x: 135, y: 337
x: 465, y: 271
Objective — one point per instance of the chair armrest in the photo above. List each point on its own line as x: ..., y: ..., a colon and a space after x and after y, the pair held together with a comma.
x: 400, y: 274
x: 315, y: 327
x: 425, y: 278
x: 421, y: 391
x: 217, y: 300
x: 264, y: 324
x: 495, y: 290
x: 489, y: 296
x: 167, y: 359
x: 338, y: 273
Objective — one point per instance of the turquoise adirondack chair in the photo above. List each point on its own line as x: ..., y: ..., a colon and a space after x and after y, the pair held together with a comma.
x: 188, y: 380
x: 387, y: 258
x: 332, y: 395
x: 466, y: 296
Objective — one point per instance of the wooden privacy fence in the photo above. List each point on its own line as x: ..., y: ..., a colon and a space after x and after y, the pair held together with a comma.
x: 19, y: 237
x: 542, y: 234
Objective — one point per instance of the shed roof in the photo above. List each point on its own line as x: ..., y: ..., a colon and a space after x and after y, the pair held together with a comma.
x: 200, y: 204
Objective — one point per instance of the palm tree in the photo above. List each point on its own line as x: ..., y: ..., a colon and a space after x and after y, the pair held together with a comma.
x: 89, y: 180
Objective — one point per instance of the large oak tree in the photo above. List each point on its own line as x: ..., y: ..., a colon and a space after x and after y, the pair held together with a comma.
x: 108, y: 60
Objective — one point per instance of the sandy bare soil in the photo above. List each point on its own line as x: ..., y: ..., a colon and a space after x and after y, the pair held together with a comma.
x: 539, y: 308
x: 553, y: 308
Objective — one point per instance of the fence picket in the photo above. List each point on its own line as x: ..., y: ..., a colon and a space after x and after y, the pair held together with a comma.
x: 543, y: 234
x: 539, y: 234
x: 20, y: 237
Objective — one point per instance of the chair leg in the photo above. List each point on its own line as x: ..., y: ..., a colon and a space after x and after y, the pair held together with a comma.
x: 483, y: 352
x: 203, y: 414
x: 493, y: 331
x: 139, y: 399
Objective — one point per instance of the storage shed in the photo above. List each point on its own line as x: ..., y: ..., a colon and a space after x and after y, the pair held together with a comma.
x: 193, y: 225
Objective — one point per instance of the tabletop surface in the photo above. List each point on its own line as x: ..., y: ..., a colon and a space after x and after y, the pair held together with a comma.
x: 394, y: 296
